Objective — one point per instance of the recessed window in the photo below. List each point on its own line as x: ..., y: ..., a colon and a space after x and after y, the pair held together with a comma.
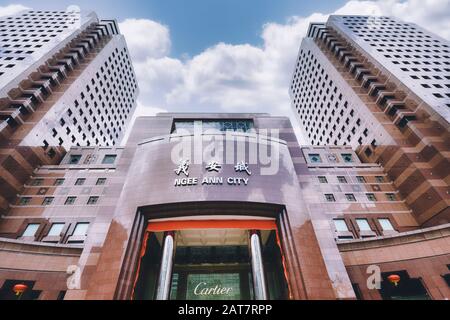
x: 24, y: 201
x: 363, y: 225
x: 386, y: 224
x: 323, y: 179
x: 31, y: 230
x: 92, y: 200
x: 315, y: 158
x: 74, y: 159
x: 37, y: 182
x: 330, y: 197
x: 55, y: 230
x: 70, y: 200
x: 81, y: 229
x: 59, y: 182
x: 342, y: 179
x: 361, y: 179
x: 47, y: 201
x: 340, y: 225
x: 347, y: 157
x: 379, y: 179
x: 350, y: 197
x: 80, y: 181
x: 391, y: 197
x: 101, y: 181
x: 109, y: 159
x: 371, y: 197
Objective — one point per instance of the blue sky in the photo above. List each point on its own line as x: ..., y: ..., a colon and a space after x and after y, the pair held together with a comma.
x: 198, y: 24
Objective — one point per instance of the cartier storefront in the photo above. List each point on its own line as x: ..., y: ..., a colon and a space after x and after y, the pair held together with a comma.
x: 226, y: 259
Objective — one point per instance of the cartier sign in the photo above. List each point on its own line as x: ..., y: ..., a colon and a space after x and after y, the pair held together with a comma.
x: 202, y: 289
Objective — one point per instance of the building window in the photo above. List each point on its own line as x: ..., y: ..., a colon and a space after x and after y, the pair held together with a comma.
x: 379, y: 179
x: 55, y: 230
x: 74, y: 159
x: 81, y: 229
x: 80, y: 181
x: 323, y: 179
x: 361, y: 179
x: 330, y: 197
x: 371, y: 197
x: 24, y: 201
x: 101, y: 181
x: 391, y: 197
x: 348, y: 158
x: 37, y: 182
x: 237, y: 125
x: 386, y: 224
x: 340, y: 225
x: 31, y: 230
x: 47, y: 201
x: 70, y: 200
x: 342, y: 179
x: 109, y: 159
x: 314, y: 158
x: 363, y: 225
x: 350, y: 197
x: 92, y: 200
x: 59, y: 182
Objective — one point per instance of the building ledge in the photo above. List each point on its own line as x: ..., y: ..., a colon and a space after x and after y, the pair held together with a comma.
x: 396, y: 239
x: 229, y: 134
x: 12, y: 245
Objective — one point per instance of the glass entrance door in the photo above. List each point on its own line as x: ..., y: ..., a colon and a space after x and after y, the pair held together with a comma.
x: 212, y: 273
x: 211, y: 264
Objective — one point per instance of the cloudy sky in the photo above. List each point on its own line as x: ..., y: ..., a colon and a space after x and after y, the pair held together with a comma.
x: 227, y: 55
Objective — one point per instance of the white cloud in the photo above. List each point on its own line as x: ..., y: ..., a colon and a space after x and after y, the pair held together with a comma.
x: 246, y: 78
x: 12, y: 9
x: 146, y: 38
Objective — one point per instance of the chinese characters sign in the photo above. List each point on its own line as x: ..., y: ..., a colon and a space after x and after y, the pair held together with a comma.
x: 241, y: 168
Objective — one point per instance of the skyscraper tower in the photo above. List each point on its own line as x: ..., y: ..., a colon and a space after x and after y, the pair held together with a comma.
x: 66, y: 79
x: 381, y: 86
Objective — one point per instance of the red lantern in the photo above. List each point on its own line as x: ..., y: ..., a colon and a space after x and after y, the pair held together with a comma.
x: 394, y: 278
x: 19, y: 289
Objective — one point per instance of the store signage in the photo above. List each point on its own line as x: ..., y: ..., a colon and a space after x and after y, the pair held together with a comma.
x: 202, y: 289
x: 184, y: 180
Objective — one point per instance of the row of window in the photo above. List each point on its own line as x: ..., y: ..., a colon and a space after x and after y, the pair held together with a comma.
x: 351, y: 197
x: 342, y: 179
x: 363, y: 228
x: 316, y: 158
x: 322, y: 108
x: 236, y: 125
x: 107, y: 159
x: 60, y: 181
x: 49, y: 200
x: 56, y: 230
x: 99, y: 114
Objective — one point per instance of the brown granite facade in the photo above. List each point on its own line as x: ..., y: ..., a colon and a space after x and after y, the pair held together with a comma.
x: 112, y: 194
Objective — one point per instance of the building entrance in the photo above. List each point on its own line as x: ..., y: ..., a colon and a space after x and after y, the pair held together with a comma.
x: 219, y: 261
